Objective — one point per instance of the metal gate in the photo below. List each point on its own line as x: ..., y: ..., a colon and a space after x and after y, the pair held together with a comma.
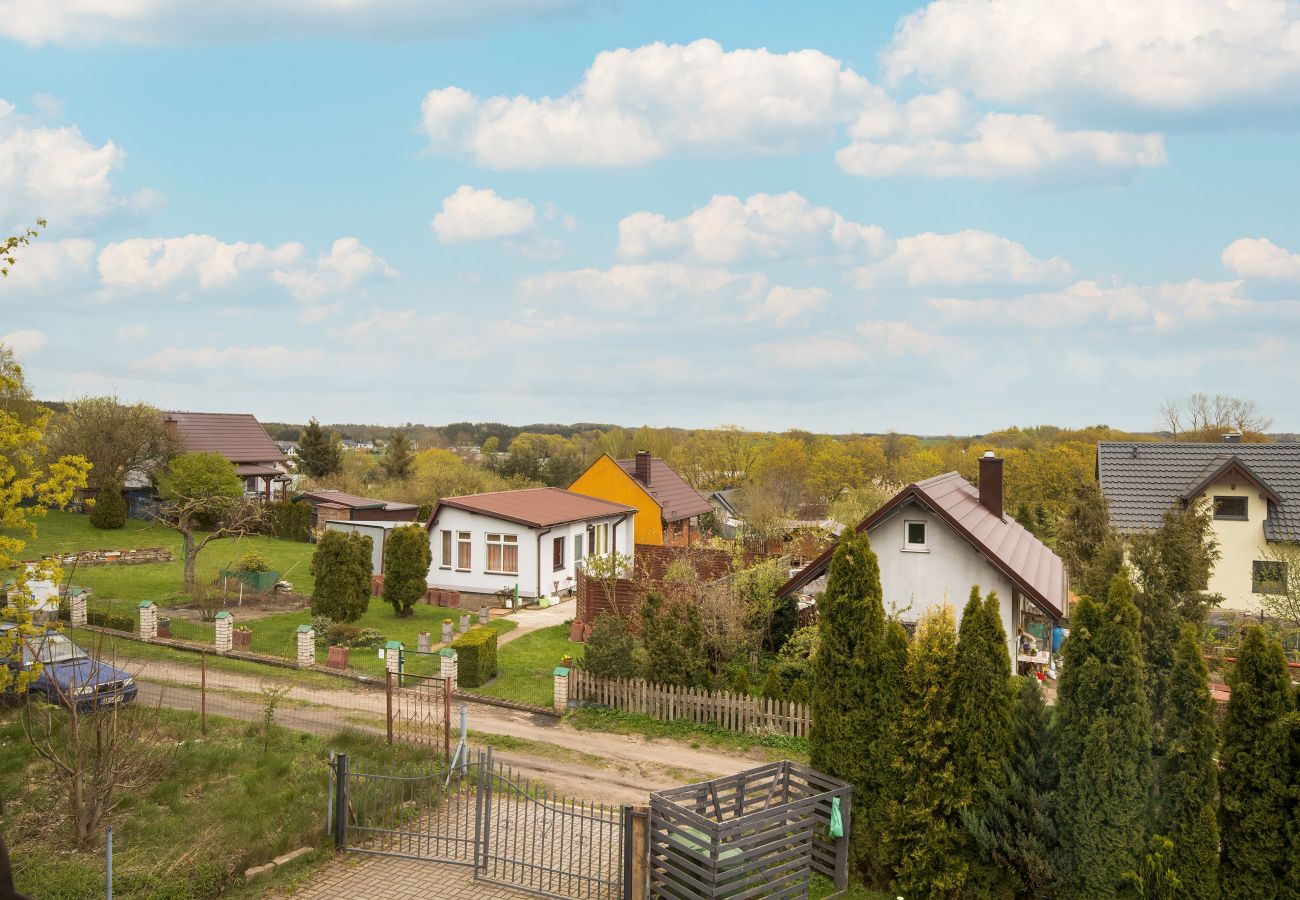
x: 419, y: 711
x: 485, y: 815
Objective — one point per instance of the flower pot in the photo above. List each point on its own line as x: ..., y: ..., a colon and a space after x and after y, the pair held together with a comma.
x: 575, y: 631
x: 447, y: 634
x: 483, y: 615
x: 164, y: 627
x: 451, y: 598
x: 567, y: 662
x: 338, y: 658
x: 241, y: 640
x: 422, y: 642
x: 464, y: 624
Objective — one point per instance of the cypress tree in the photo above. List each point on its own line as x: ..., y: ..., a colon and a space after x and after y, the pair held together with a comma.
x: 983, y: 710
x: 1189, y: 780
x: 1104, y: 741
x: 341, y: 566
x: 110, y: 508
x: 406, y: 568
x: 398, y: 458
x: 1255, y: 780
x: 319, y: 453
x: 927, y: 833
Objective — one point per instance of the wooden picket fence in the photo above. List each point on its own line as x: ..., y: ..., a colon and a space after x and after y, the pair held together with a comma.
x: 741, y: 713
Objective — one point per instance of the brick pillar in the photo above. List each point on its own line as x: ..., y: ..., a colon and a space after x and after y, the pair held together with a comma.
x: 77, y: 608
x: 306, y: 646
x: 448, y: 666
x: 148, y: 620
x: 225, y: 630
x: 560, y: 683
x: 393, y: 657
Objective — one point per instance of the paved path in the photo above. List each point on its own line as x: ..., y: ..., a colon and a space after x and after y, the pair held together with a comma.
x: 358, y: 876
x: 531, y: 620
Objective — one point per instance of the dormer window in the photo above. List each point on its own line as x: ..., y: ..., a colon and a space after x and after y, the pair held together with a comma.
x: 914, y: 535
x: 1231, y: 508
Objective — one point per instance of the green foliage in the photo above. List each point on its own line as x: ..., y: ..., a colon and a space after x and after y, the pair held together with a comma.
x: 1092, y: 551
x: 203, y: 477
x: 320, y: 454
x: 476, y: 652
x: 406, y: 567
x: 1104, y: 747
x: 1254, y: 778
x: 252, y: 561
x: 341, y: 566
x: 738, y: 679
x: 110, y: 507
x: 398, y: 457
x: 1157, y: 878
x: 11, y: 243
x: 289, y: 520
x: 674, y: 640
x: 610, y: 648
x: 772, y: 618
x: 927, y: 836
x: 1188, y: 800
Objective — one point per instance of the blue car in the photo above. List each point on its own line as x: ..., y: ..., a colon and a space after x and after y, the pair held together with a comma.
x: 71, y: 675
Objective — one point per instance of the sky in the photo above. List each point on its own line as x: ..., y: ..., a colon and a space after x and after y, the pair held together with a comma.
x: 849, y: 217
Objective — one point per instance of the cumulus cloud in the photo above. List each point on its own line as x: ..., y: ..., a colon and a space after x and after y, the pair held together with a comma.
x: 651, y: 289
x: 25, y: 341
x: 1167, y: 55
x: 901, y: 338
x: 175, y: 21
x: 349, y: 264
x: 479, y: 214
x: 638, y: 105
x: 784, y: 304
x: 58, y: 174
x: 274, y: 358
x: 728, y: 230
x: 964, y: 258
x: 46, y: 265
x: 1261, y: 258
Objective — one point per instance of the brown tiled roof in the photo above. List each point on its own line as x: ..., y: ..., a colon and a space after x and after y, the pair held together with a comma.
x: 536, y: 507
x: 677, y: 499
x: 352, y: 501
x: 236, y: 436
x: 1024, y: 559
x: 250, y: 469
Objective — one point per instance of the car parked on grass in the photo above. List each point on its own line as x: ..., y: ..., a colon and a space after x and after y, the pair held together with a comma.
x: 69, y: 674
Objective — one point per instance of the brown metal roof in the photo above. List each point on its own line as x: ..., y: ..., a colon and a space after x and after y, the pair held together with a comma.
x: 236, y: 436
x: 352, y: 501
x: 250, y: 469
x: 536, y: 507
x: 677, y: 500
x: 1024, y: 559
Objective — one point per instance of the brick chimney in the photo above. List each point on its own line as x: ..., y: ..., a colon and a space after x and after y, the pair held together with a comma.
x: 643, y: 467
x: 991, y: 483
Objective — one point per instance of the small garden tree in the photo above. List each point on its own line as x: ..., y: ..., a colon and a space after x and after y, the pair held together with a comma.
x: 319, y: 453
x: 341, y: 567
x: 406, y: 567
x: 118, y: 438
x: 609, y: 649
x: 110, y: 509
x: 398, y: 458
x: 203, y: 499
x: 674, y: 640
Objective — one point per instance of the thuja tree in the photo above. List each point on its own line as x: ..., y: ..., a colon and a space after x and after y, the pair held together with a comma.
x: 673, y: 636
x: 855, y: 697
x: 1104, y: 747
x: 341, y: 567
x: 927, y: 833
x: 406, y: 568
x: 110, y: 508
x: 1189, y: 782
x: 1254, y: 772
x: 1015, y: 829
x: 982, y: 707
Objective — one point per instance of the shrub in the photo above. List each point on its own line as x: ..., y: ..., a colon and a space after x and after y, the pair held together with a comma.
x: 476, y: 652
x: 341, y: 566
x: 407, y: 556
x: 609, y: 649
x: 110, y: 509
x: 252, y: 561
x: 738, y: 679
x: 114, y: 621
x: 289, y: 520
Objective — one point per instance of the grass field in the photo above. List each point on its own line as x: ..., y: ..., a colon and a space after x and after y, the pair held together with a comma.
x: 525, y: 666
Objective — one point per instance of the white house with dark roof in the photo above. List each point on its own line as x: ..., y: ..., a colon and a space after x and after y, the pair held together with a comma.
x: 1253, y: 490
x: 937, y: 538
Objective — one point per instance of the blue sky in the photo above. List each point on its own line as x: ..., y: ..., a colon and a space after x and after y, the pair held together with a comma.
x: 935, y: 218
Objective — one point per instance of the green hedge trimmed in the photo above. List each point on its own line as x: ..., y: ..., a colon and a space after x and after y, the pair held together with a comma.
x: 476, y: 656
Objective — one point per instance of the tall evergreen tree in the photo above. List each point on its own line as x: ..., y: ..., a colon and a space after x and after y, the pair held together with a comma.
x: 1254, y: 782
x: 1189, y: 780
x: 407, y: 556
x: 927, y: 831
x: 319, y: 452
x: 341, y: 566
x: 110, y: 509
x: 398, y: 458
x: 1092, y: 552
x: 1104, y: 747
x: 982, y: 705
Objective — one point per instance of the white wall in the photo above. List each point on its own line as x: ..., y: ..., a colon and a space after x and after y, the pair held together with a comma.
x: 377, y: 533
x: 1240, y: 544
x: 478, y: 580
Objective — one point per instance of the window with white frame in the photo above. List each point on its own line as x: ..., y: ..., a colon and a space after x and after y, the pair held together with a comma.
x: 464, y: 552
x: 503, y: 554
x: 914, y: 535
x: 577, y: 547
x: 446, y: 550
x: 557, y: 554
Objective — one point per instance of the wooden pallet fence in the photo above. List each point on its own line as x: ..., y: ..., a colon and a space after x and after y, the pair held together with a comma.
x: 741, y: 713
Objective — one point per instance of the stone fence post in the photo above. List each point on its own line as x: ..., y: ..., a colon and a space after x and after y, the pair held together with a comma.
x: 225, y: 629
x: 393, y: 657
x: 77, y: 610
x: 483, y: 615
x: 448, y: 665
x: 148, y: 620
x: 560, y: 683
x: 306, y: 646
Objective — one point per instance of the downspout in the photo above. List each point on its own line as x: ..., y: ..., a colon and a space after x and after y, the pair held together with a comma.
x: 540, y: 535
x: 613, y: 540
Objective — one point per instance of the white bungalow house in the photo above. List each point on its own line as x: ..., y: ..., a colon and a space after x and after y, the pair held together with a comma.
x: 938, y: 537
x: 531, y: 540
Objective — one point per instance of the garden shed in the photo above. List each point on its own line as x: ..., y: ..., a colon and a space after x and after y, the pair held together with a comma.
x: 759, y: 833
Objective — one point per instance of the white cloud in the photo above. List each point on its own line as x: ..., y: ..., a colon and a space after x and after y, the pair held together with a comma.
x: 349, y: 264
x: 901, y: 338
x: 46, y: 265
x: 1175, y: 55
x: 964, y: 258
x: 637, y: 105
x: 275, y: 358
x: 57, y: 174
x: 473, y: 214
x: 650, y: 290
x: 785, y: 304
x: 1261, y: 258
x: 765, y: 226
x: 25, y: 341
x: 168, y: 21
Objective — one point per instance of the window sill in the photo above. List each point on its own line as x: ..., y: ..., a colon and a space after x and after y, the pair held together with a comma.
x: 445, y: 568
x: 1232, y: 518
x: 466, y: 571
x: 490, y: 572
x: 916, y: 549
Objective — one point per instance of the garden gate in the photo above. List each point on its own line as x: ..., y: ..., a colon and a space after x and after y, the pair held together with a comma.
x: 419, y: 711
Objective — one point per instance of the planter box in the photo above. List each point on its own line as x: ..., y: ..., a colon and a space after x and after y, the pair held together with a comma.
x: 241, y: 640
x: 261, y: 582
x: 577, y: 632
x: 164, y: 627
x: 451, y: 598
x: 337, y: 658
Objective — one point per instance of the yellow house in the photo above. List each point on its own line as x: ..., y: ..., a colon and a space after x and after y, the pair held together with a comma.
x: 666, y: 505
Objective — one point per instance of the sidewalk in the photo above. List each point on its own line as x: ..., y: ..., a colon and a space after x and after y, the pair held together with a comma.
x: 531, y: 620
x: 364, y: 877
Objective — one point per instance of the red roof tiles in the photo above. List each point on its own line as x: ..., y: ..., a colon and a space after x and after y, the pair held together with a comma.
x: 536, y: 507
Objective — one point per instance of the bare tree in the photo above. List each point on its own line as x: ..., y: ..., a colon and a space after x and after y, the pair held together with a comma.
x: 117, y: 438
x: 1202, y: 417
x: 203, y: 500
x: 1280, y: 588
x: 607, y: 569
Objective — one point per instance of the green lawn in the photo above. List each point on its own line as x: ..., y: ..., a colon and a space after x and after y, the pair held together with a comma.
x: 65, y: 532
x: 526, y: 665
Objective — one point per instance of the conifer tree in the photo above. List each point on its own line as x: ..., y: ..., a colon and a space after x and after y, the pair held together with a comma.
x: 1254, y: 781
x: 927, y: 831
x: 398, y: 458
x: 407, y: 556
x: 1104, y: 741
x: 319, y: 453
x: 1189, y: 780
x: 341, y: 566
x: 110, y: 509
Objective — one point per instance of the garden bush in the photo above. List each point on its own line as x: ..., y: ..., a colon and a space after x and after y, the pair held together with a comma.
x: 406, y: 568
x: 341, y: 567
x: 253, y: 562
x: 109, y: 510
x: 115, y: 621
x: 289, y: 520
x: 476, y: 652
x: 609, y: 649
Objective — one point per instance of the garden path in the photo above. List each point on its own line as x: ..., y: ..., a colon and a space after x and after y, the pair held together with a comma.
x: 531, y: 620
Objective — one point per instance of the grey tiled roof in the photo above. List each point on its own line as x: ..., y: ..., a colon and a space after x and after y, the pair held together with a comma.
x: 1142, y: 480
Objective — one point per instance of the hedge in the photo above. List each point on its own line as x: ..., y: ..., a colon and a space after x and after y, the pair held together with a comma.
x: 102, y: 619
x: 476, y: 652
